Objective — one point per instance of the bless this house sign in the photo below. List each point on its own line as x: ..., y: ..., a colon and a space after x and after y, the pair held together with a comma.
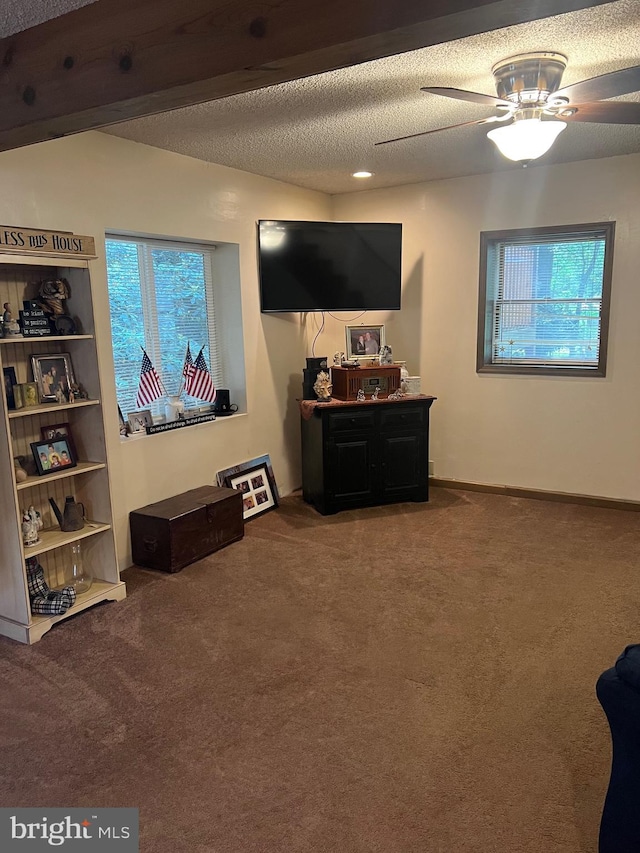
x: 66, y: 243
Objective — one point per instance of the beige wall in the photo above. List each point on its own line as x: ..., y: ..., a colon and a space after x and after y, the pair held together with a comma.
x: 558, y: 433
x: 571, y: 435
x: 95, y: 183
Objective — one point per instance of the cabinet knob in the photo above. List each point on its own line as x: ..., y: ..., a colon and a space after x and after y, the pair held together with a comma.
x: 352, y: 420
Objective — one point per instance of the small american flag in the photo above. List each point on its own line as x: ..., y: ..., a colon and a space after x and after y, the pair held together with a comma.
x: 188, y: 370
x: 200, y: 385
x: 150, y: 387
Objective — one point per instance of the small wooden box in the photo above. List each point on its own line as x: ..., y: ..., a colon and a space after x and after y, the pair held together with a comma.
x: 170, y: 534
x: 347, y: 381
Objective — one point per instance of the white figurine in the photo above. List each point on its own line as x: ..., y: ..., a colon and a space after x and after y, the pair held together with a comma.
x: 374, y: 396
x: 323, y: 387
x: 10, y: 327
x: 385, y: 356
x: 31, y: 524
x: 338, y: 358
x: 360, y: 396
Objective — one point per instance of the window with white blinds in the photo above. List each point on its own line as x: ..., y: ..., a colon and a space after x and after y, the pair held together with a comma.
x: 544, y: 300
x: 161, y: 299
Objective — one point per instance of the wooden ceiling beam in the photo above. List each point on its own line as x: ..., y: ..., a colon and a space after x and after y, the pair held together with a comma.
x: 115, y: 60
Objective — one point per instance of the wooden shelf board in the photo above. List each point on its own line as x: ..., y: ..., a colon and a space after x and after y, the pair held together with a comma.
x: 81, y: 468
x: 50, y: 407
x: 18, y: 339
x: 39, y: 625
x: 55, y: 538
x: 100, y: 591
x: 43, y: 260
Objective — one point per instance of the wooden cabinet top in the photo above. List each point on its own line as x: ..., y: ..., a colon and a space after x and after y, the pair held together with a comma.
x: 310, y: 407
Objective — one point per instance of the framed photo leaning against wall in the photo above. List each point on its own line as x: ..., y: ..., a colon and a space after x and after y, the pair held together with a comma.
x: 258, y: 490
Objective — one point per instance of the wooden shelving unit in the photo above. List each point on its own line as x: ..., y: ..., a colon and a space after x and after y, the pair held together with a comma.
x: 88, y: 481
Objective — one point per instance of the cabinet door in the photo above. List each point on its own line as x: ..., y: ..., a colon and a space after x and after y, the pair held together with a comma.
x: 403, y: 462
x: 350, y: 469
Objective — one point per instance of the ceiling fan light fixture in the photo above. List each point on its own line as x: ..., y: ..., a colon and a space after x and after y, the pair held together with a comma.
x: 526, y: 139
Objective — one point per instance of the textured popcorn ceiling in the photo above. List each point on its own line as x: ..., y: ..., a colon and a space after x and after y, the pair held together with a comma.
x: 17, y: 15
x: 315, y: 132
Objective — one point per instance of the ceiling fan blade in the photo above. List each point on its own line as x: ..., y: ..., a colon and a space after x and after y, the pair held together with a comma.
x: 438, y: 129
x: 462, y: 95
x: 606, y: 86
x: 606, y: 112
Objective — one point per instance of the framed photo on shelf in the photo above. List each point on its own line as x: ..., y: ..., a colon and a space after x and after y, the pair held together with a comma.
x: 28, y: 393
x: 364, y: 341
x: 53, y: 374
x: 139, y: 421
x: 53, y: 456
x: 53, y: 432
x: 258, y: 493
x: 9, y: 375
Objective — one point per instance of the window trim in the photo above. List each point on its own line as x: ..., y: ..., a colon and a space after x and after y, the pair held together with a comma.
x: 485, y: 306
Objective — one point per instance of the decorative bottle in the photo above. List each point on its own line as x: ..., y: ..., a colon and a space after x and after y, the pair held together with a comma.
x: 173, y: 408
x: 80, y: 577
x: 404, y: 375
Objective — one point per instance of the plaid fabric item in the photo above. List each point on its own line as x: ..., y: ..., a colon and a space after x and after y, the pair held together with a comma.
x: 46, y: 601
x: 56, y: 603
x: 36, y: 583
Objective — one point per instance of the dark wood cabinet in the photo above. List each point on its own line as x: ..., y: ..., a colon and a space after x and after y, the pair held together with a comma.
x: 364, y: 454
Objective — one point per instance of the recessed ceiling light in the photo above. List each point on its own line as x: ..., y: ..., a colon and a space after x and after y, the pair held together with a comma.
x: 362, y: 174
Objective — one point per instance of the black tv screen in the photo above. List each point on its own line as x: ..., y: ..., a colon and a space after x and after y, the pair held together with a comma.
x: 329, y: 266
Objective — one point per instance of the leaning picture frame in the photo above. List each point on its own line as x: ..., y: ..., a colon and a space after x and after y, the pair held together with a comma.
x: 364, y: 341
x: 53, y: 456
x: 258, y: 493
x: 53, y: 374
x: 265, y: 459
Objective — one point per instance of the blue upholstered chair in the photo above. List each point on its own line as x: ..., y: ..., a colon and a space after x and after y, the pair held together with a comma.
x: 618, y: 690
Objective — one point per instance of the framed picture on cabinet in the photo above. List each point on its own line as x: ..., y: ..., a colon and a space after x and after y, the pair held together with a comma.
x: 53, y: 374
x: 9, y: 375
x: 364, y: 341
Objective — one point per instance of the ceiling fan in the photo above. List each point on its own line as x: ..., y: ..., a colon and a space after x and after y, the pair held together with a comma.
x: 534, y: 110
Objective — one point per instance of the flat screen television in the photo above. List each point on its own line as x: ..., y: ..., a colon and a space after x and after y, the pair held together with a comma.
x: 329, y: 266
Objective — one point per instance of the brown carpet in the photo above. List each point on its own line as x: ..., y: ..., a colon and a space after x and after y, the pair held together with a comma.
x: 413, y: 679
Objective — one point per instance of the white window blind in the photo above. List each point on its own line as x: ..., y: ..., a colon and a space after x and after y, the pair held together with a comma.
x: 161, y: 298
x: 545, y: 296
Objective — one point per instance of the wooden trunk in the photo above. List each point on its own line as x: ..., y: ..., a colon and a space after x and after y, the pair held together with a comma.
x: 170, y: 534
